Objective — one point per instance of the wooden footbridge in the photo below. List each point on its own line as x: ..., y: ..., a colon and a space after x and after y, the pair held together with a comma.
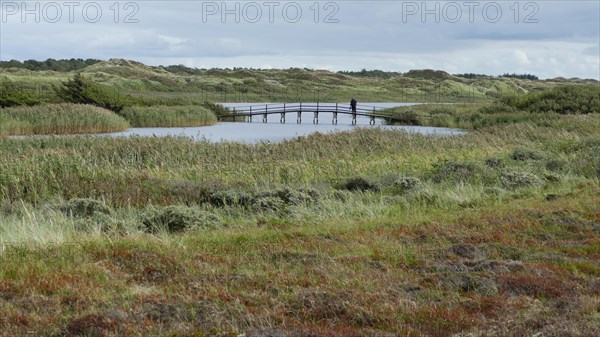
x: 316, y: 109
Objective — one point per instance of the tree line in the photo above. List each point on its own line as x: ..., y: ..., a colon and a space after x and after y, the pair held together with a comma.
x: 50, y: 64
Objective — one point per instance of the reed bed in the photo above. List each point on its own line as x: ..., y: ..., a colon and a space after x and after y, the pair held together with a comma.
x: 55, y: 119
x: 169, y: 116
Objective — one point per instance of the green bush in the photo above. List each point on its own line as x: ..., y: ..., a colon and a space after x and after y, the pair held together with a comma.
x: 494, y: 162
x: 176, y: 219
x: 359, y: 184
x: 405, y: 184
x: 458, y: 171
x: 513, y: 180
x: 295, y: 197
x: 100, y: 222
x: 523, y: 154
x: 12, y: 95
x: 557, y: 165
x: 81, y: 208
x: 567, y: 99
x: 82, y: 90
x: 268, y: 204
x: 230, y: 198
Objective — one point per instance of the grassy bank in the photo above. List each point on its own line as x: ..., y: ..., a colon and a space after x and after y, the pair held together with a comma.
x: 59, y: 119
x: 547, y: 105
x: 168, y: 116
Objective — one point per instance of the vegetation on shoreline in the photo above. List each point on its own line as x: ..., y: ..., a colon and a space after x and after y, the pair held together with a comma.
x: 511, y: 109
x: 168, y: 116
x: 59, y: 119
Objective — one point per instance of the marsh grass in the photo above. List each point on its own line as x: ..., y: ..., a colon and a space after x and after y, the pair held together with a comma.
x: 168, y: 116
x: 59, y: 119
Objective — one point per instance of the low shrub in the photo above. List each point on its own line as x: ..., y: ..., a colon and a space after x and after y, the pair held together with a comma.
x: 523, y: 154
x: 566, y: 99
x: 458, y: 171
x: 100, y: 222
x: 359, y: 184
x: 405, y: 184
x: 81, y: 208
x: 295, y: 197
x: 13, y: 95
x: 557, y: 165
x: 514, y: 180
x: 230, y: 198
x: 494, y: 162
x: 176, y: 219
x: 268, y: 204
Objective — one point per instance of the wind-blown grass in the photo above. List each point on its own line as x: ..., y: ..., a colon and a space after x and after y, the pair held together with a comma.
x: 363, y: 233
x: 168, y: 116
x: 59, y: 119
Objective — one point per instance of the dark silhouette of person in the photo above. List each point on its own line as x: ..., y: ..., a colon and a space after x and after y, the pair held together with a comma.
x: 353, y: 104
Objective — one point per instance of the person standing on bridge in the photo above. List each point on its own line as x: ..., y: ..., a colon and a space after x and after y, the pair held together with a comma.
x: 353, y: 105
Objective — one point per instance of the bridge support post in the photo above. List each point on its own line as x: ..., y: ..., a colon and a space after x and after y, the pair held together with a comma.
x: 299, y: 118
x: 282, y: 119
x: 372, y: 121
x: 316, y: 118
x: 250, y: 115
x: 354, y: 119
x: 264, y: 118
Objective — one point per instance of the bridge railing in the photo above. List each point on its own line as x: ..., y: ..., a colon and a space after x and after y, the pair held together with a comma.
x: 276, y: 108
x: 283, y: 109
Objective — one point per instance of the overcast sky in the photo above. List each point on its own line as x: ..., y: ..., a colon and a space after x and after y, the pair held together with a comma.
x: 546, y: 38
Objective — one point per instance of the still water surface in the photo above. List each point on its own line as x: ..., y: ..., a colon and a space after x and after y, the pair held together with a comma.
x: 274, y: 131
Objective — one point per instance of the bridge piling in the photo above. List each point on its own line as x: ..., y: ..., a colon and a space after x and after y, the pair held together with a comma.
x: 282, y: 119
x: 299, y: 118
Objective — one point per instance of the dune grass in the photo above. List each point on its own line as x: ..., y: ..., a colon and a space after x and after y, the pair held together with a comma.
x: 59, y: 119
x: 168, y: 116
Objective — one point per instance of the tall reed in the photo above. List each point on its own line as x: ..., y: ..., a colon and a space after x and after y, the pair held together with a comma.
x: 59, y: 119
x: 168, y: 116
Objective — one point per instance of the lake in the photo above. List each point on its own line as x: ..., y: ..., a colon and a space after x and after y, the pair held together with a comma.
x: 274, y: 131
